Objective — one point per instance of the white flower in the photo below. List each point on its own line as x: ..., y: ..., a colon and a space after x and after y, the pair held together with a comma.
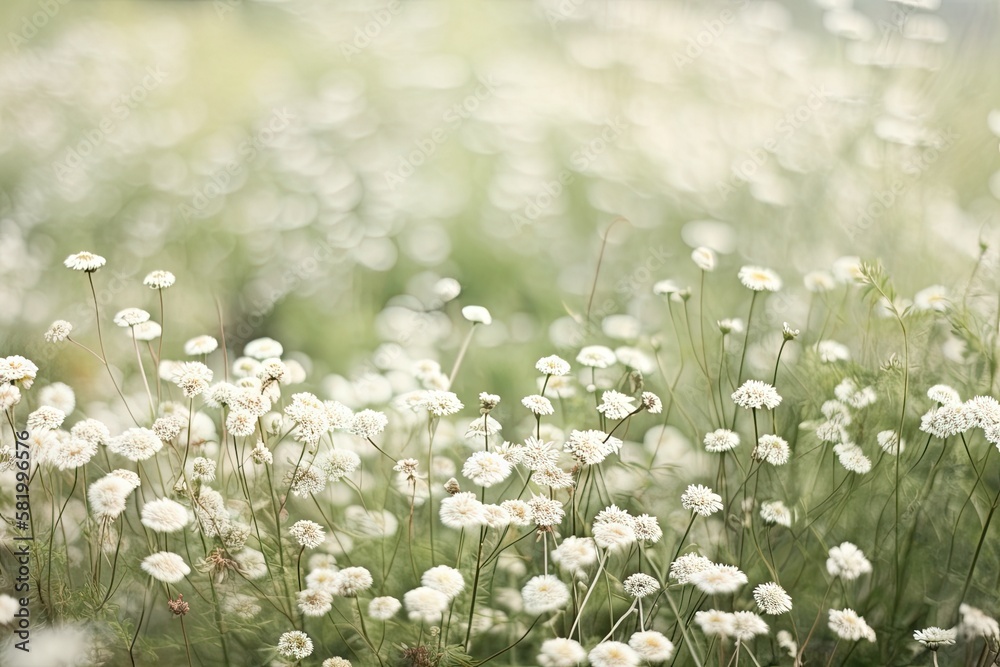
x: 730, y: 325
x: 383, y: 608
x: 477, y: 315
x: 307, y: 533
x: 935, y: 637
x: 718, y: 579
x: 947, y: 420
x: 687, y: 566
x: 314, y: 602
x: 447, y: 289
x: 544, y: 593
x: 701, y: 500
x: 462, y: 510
x: 772, y: 598
x: 786, y: 642
x: 847, y: 269
x: 756, y: 395
x: 715, y: 622
x: 84, y: 261
x: 200, y: 345
x: 704, y: 258
x: 652, y: 646
x: 666, y: 288
x: 853, y: 458
x: 552, y: 365
x: 166, y: 566
x: 575, y: 553
x: 10, y: 396
x: 640, y: 585
x: 646, y: 528
x: 539, y: 405
x: 425, y: 604
x: 596, y: 356
x: 295, y: 644
x: 45, y: 417
x: 975, y: 623
x: 759, y: 279
x: 773, y: 449
x: 747, y: 625
x: 263, y: 348
x: 193, y: 377
x: 159, y: 279
x: 351, y: 580
x: 613, y: 536
x: 943, y: 394
x: 146, y: 331
x: 591, y: 447
x: 164, y: 515
x: 131, y: 317
x: 136, y: 444
x: 368, y: 423
x: 561, y: 653
x: 721, y: 440
x: 439, y: 403
x: 16, y: 368
x: 934, y: 297
x: 616, y: 405
x: 774, y: 511
x: 486, y: 468
x: 846, y: 624
x: 546, y: 512
x: 58, y: 331
x: 889, y: 442
x: 847, y: 562
x: 613, y: 654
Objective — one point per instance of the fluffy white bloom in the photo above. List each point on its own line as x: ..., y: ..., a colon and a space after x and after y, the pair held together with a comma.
x: 462, y: 510
x: 975, y: 623
x: 847, y: 562
x: 846, y: 624
x: 368, y: 423
x: 16, y: 368
x: 193, y: 377
x: 773, y: 449
x: 889, y: 442
x: 561, y: 653
x: 935, y: 637
x: 10, y: 396
x: 84, y: 261
x: 715, y: 622
x: 45, y: 417
x: 546, y: 512
x: 200, y: 345
x: 614, y: 535
x: 350, y: 581
x: 166, y: 566
x: 853, y: 458
x: 443, y: 578
x: 145, y: 332
x: 718, y: 579
x: 314, y: 602
x: 774, y: 511
x: 58, y: 331
x: 591, y: 447
x: 596, y: 356
x: 747, y: 625
x: 131, y: 317
x: 704, y: 258
x: 701, y: 500
x: 439, y: 403
x: 759, y: 279
x: 934, y: 297
x: 486, y: 468
x: 136, y: 444
x: 552, y: 365
x: 72, y: 452
x: 721, y: 440
x: 383, y: 608
x: 687, y: 566
x: 613, y: 654
x: 943, y: 394
x: 544, y: 593
x: 652, y: 646
x: 947, y: 420
x: 640, y: 585
x: 307, y: 533
x: 159, y: 279
x: 616, y: 405
x: 425, y: 604
x: 647, y: 529
x: 575, y: 553
x: 263, y: 348
x: 757, y: 395
x: 730, y: 325
x: 651, y: 402
x: 786, y: 642
x: 477, y: 315
x: 772, y: 598
x: 295, y: 644
x: 107, y: 496
x: 539, y: 405
x: 164, y: 515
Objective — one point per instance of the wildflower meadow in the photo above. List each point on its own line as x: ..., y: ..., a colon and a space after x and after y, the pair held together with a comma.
x: 538, y: 334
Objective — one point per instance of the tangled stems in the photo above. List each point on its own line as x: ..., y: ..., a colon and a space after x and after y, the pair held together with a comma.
x: 104, y: 355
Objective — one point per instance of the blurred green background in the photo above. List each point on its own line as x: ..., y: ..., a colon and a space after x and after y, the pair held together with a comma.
x: 302, y: 165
